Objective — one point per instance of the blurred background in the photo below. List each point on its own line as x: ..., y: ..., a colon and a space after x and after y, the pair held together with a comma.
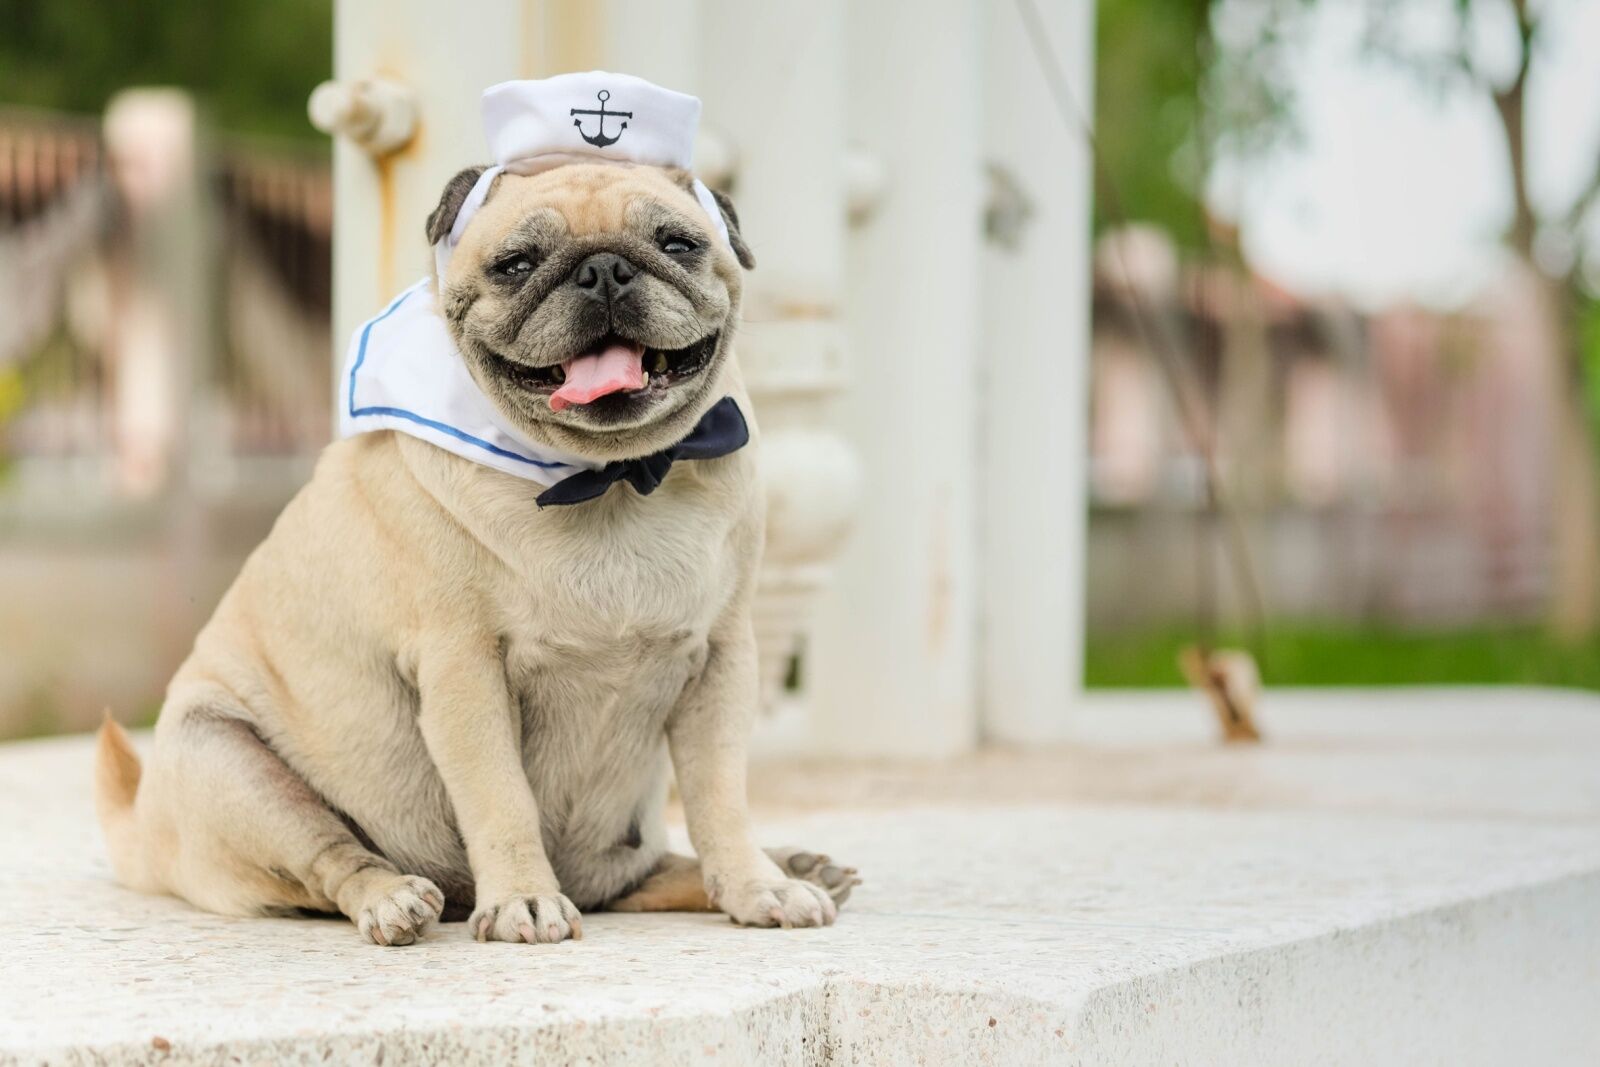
x: 1343, y: 373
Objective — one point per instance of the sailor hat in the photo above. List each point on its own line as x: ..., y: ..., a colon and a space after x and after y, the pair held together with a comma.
x: 582, y: 118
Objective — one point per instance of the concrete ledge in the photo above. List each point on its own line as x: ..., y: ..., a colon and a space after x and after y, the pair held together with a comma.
x: 1044, y: 930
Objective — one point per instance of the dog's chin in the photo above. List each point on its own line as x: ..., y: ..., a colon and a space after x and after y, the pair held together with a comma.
x: 619, y: 425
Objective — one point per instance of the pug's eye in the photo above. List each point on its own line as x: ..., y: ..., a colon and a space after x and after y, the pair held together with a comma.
x: 677, y: 244
x: 515, y: 266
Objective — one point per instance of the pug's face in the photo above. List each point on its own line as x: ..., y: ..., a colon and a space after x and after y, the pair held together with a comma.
x: 594, y: 304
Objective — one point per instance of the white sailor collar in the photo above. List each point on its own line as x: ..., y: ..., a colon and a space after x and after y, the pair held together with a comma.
x: 403, y: 372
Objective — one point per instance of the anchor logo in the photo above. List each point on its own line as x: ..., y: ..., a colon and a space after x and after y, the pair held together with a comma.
x: 599, y: 140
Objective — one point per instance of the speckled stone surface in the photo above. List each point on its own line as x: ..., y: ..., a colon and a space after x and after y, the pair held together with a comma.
x: 1040, y: 929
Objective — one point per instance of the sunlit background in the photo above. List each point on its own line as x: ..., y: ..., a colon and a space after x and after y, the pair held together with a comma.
x: 1345, y: 343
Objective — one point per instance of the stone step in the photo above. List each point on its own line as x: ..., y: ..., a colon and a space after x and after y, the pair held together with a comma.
x: 1047, y: 931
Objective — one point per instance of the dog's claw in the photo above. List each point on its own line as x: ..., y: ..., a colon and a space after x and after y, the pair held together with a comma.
x: 396, y: 909
x: 535, y: 919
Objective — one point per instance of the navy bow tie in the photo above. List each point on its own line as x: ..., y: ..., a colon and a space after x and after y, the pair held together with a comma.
x: 720, y: 431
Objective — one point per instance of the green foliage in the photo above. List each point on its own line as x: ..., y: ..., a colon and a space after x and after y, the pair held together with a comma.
x: 1587, y: 314
x: 1147, y: 77
x: 251, y: 62
x: 1314, y: 654
x: 1170, y: 94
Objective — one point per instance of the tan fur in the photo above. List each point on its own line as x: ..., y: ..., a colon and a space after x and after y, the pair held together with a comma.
x: 116, y: 776
x: 676, y: 885
x: 423, y: 687
x: 589, y: 198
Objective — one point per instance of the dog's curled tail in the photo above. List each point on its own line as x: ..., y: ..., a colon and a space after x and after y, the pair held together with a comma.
x: 116, y: 783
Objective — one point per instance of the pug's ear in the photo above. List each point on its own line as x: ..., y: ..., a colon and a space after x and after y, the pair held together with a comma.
x: 730, y: 218
x: 455, y: 194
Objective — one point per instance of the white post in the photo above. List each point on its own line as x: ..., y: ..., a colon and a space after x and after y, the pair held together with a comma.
x: 165, y: 339
x: 441, y: 56
x: 773, y: 84
x: 1035, y: 366
x: 891, y: 662
x: 163, y: 334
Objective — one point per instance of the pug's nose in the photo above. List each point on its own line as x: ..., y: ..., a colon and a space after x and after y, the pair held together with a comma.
x: 604, y: 276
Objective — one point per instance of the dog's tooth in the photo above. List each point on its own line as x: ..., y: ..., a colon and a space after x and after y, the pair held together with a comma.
x: 558, y: 374
x: 646, y: 383
x: 659, y: 364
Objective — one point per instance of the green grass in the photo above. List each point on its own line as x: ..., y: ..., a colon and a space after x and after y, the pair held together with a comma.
x: 1323, y: 655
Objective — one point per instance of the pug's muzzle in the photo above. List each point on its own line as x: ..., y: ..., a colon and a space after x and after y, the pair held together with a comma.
x: 617, y: 370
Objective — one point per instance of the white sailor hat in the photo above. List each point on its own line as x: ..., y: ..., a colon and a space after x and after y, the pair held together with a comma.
x: 582, y: 118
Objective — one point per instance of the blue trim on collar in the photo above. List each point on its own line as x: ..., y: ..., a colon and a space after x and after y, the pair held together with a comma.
x: 361, y: 353
x: 412, y: 416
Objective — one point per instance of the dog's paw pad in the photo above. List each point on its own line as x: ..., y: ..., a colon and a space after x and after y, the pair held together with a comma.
x: 537, y: 919
x: 820, y: 870
x: 397, y: 912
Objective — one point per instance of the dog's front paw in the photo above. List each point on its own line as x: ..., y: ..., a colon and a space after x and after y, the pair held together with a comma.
x: 398, y: 910
x: 785, y: 902
x: 537, y: 919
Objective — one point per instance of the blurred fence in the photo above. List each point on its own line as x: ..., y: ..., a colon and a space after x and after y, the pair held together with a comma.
x: 64, y: 239
x: 1388, y: 465
x: 54, y: 211
x: 273, y: 374
x: 164, y: 386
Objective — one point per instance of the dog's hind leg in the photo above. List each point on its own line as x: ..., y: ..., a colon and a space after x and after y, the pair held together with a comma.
x: 677, y: 883
x: 252, y: 837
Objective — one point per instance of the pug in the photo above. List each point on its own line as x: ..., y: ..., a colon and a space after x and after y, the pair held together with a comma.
x: 425, y: 694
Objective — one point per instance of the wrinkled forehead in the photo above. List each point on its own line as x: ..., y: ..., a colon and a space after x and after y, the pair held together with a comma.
x: 580, y: 200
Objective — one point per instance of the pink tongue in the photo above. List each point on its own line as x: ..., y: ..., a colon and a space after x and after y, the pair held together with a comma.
x: 589, y: 378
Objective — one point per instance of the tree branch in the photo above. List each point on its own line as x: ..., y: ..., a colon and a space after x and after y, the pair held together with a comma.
x: 1586, y: 200
x: 1510, y: 104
